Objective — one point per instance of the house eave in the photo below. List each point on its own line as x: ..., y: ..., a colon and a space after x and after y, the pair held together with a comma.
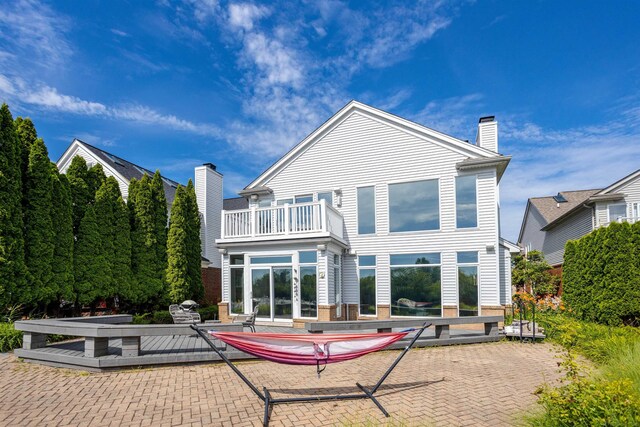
x: 281, y: 240
x: 259, y: 191
x: 499, y: 163
x: 563, y: 217
x: 611, y: 197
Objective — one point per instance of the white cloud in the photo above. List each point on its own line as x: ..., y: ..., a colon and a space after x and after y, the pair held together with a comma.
x: 33, y: 33
x: 120, y: 33
x: 243, y: 15
x: 276, y: 63
x: 48, y: 98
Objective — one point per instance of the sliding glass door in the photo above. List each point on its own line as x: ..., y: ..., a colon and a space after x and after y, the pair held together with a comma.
x: 271, y: 289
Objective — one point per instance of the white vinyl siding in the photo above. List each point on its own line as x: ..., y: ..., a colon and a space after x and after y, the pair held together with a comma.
x: 362, y: 151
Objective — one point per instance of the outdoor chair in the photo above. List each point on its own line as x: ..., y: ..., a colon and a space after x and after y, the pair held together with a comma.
x: 248, y: 321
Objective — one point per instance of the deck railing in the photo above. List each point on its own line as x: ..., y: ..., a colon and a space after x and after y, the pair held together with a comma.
x: 286, y: 220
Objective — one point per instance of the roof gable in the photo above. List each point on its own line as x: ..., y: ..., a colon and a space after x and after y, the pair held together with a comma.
x: 354, y: 107
x: 620, y: 183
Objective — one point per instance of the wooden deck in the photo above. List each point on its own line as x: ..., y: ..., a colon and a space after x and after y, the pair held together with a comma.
x: 179, y: 349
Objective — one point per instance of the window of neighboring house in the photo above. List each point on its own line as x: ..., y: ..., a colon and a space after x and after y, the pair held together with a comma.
x: 327, y: 197
x: 467, y: 283
x: 414, y: 206
x: 367, y: 276
x: 366, y: 210
x: 264, y: 203
x: 236, y: 270
x: 635, y: 209
x: 617, y: 211
x: 466, y: 203
x: 415, y: 285
x: 308, y: 284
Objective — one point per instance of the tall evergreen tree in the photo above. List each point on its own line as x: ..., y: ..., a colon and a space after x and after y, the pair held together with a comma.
x: 62, y: 219
x: 91, y: 269
x: 161, y: 220
x: 178, y: 279
x: 113, y: 223
x: 148, y: 239
x: 27, y: 135
x: 195, y: 245
x: 81, y: 194
x: 95, y: 179
x: 38, y: 227
x: 12, y: 268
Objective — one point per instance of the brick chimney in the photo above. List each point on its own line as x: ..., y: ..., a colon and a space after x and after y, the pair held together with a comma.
x: 208, y: 186
x: 487, y: 136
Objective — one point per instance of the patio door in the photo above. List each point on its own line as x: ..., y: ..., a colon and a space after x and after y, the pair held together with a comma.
x: 271, y: 290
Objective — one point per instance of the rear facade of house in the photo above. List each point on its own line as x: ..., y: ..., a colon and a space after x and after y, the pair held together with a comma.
x: 370, y: 216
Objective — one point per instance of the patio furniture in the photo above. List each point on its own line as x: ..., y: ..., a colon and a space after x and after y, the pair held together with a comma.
x: 310, y: 349
x: 248, y: 321
x: 181, y: 315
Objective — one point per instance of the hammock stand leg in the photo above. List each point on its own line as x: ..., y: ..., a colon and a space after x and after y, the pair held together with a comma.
x: 269, y: 401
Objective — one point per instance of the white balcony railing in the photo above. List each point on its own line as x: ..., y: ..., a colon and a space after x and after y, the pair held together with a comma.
x: 287, y: 220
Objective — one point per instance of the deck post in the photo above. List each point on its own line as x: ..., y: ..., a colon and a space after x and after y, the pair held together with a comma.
x: 32, y: 340
x: 96, y: 347
x: 442, y: 332
x: 130, y: 346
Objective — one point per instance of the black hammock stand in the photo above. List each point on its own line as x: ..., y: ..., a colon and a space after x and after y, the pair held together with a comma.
x: 269, y: 401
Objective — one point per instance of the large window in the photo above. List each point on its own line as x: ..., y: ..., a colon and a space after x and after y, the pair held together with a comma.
x: 308, y: 284
x: 366, y: 210
x: 467, y: 283
x: 367, y: 275
x: 327, y: 196
x: 337, y: 284
x: 236, y: 271
x: 466, y: 203
x: 617, y: 211
x: 414, y: 206
x: 415, y: 285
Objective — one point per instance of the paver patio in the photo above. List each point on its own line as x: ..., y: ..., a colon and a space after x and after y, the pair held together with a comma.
x: 484, y: 384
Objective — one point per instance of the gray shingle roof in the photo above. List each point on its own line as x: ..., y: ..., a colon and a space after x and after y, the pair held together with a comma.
x: 130, y: 170
x: 551, y: 210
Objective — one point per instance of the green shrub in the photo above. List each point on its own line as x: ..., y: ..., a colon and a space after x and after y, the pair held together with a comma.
x: 9, y: 337
x: 162, y: 317
x: 142, y: 319
x: 208, y: 313
x: 601, y: 275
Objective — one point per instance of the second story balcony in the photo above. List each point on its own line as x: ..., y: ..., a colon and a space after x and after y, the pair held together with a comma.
x: 285, y: 222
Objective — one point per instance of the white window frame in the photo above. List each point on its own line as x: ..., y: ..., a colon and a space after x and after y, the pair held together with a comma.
x: 468, y: 264
x: 375, y: 211
x: 427, y: 178
x: 609, y: 220
x: 337, y: 283
x: 391, y: 266
x: 455, y: 187
x: 244, y: 285
x: 375, y: 269
x: 308, y: 264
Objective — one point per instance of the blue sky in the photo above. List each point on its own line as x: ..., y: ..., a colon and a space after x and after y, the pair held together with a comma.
x: 174, y: 84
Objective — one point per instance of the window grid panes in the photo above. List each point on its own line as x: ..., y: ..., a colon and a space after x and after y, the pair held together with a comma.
x: 271, y: 260
x: 237, y: 290
x: 466, y: 202
x: 414, y: 206
x: 468, y: 291
x: 416, y: 285
x: 367, y: 277
x: 366, y: 210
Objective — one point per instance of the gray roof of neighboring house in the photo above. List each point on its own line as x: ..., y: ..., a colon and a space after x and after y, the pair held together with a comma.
x: 235, y: 203
x: 552, y: 210
x: 130, y: 170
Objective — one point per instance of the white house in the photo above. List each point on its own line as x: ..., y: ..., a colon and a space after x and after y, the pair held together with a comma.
x: 549, y: 222
x: 370, y: 216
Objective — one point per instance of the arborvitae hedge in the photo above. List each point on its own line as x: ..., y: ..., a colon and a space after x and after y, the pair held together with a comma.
x: 601, y: 275
x: 12, y: 268
x: 62, y: 217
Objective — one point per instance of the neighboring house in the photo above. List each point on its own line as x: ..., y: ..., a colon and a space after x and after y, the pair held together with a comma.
x: 549, y: 222
x: 370, y: 216
x: 208, y: 186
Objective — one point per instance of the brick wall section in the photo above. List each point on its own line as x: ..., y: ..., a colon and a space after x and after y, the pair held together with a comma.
x: 212, y: 282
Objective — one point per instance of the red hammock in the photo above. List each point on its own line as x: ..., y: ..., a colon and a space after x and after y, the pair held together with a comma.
x: 308, y: 349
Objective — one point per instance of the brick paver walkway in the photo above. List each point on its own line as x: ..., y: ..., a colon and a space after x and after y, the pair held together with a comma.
x: 484, y: 384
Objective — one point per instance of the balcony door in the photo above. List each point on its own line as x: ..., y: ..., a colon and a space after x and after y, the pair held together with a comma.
x: 271, y: 290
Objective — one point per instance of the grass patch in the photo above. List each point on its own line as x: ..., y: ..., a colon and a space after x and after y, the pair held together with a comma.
x: 608, y: 396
